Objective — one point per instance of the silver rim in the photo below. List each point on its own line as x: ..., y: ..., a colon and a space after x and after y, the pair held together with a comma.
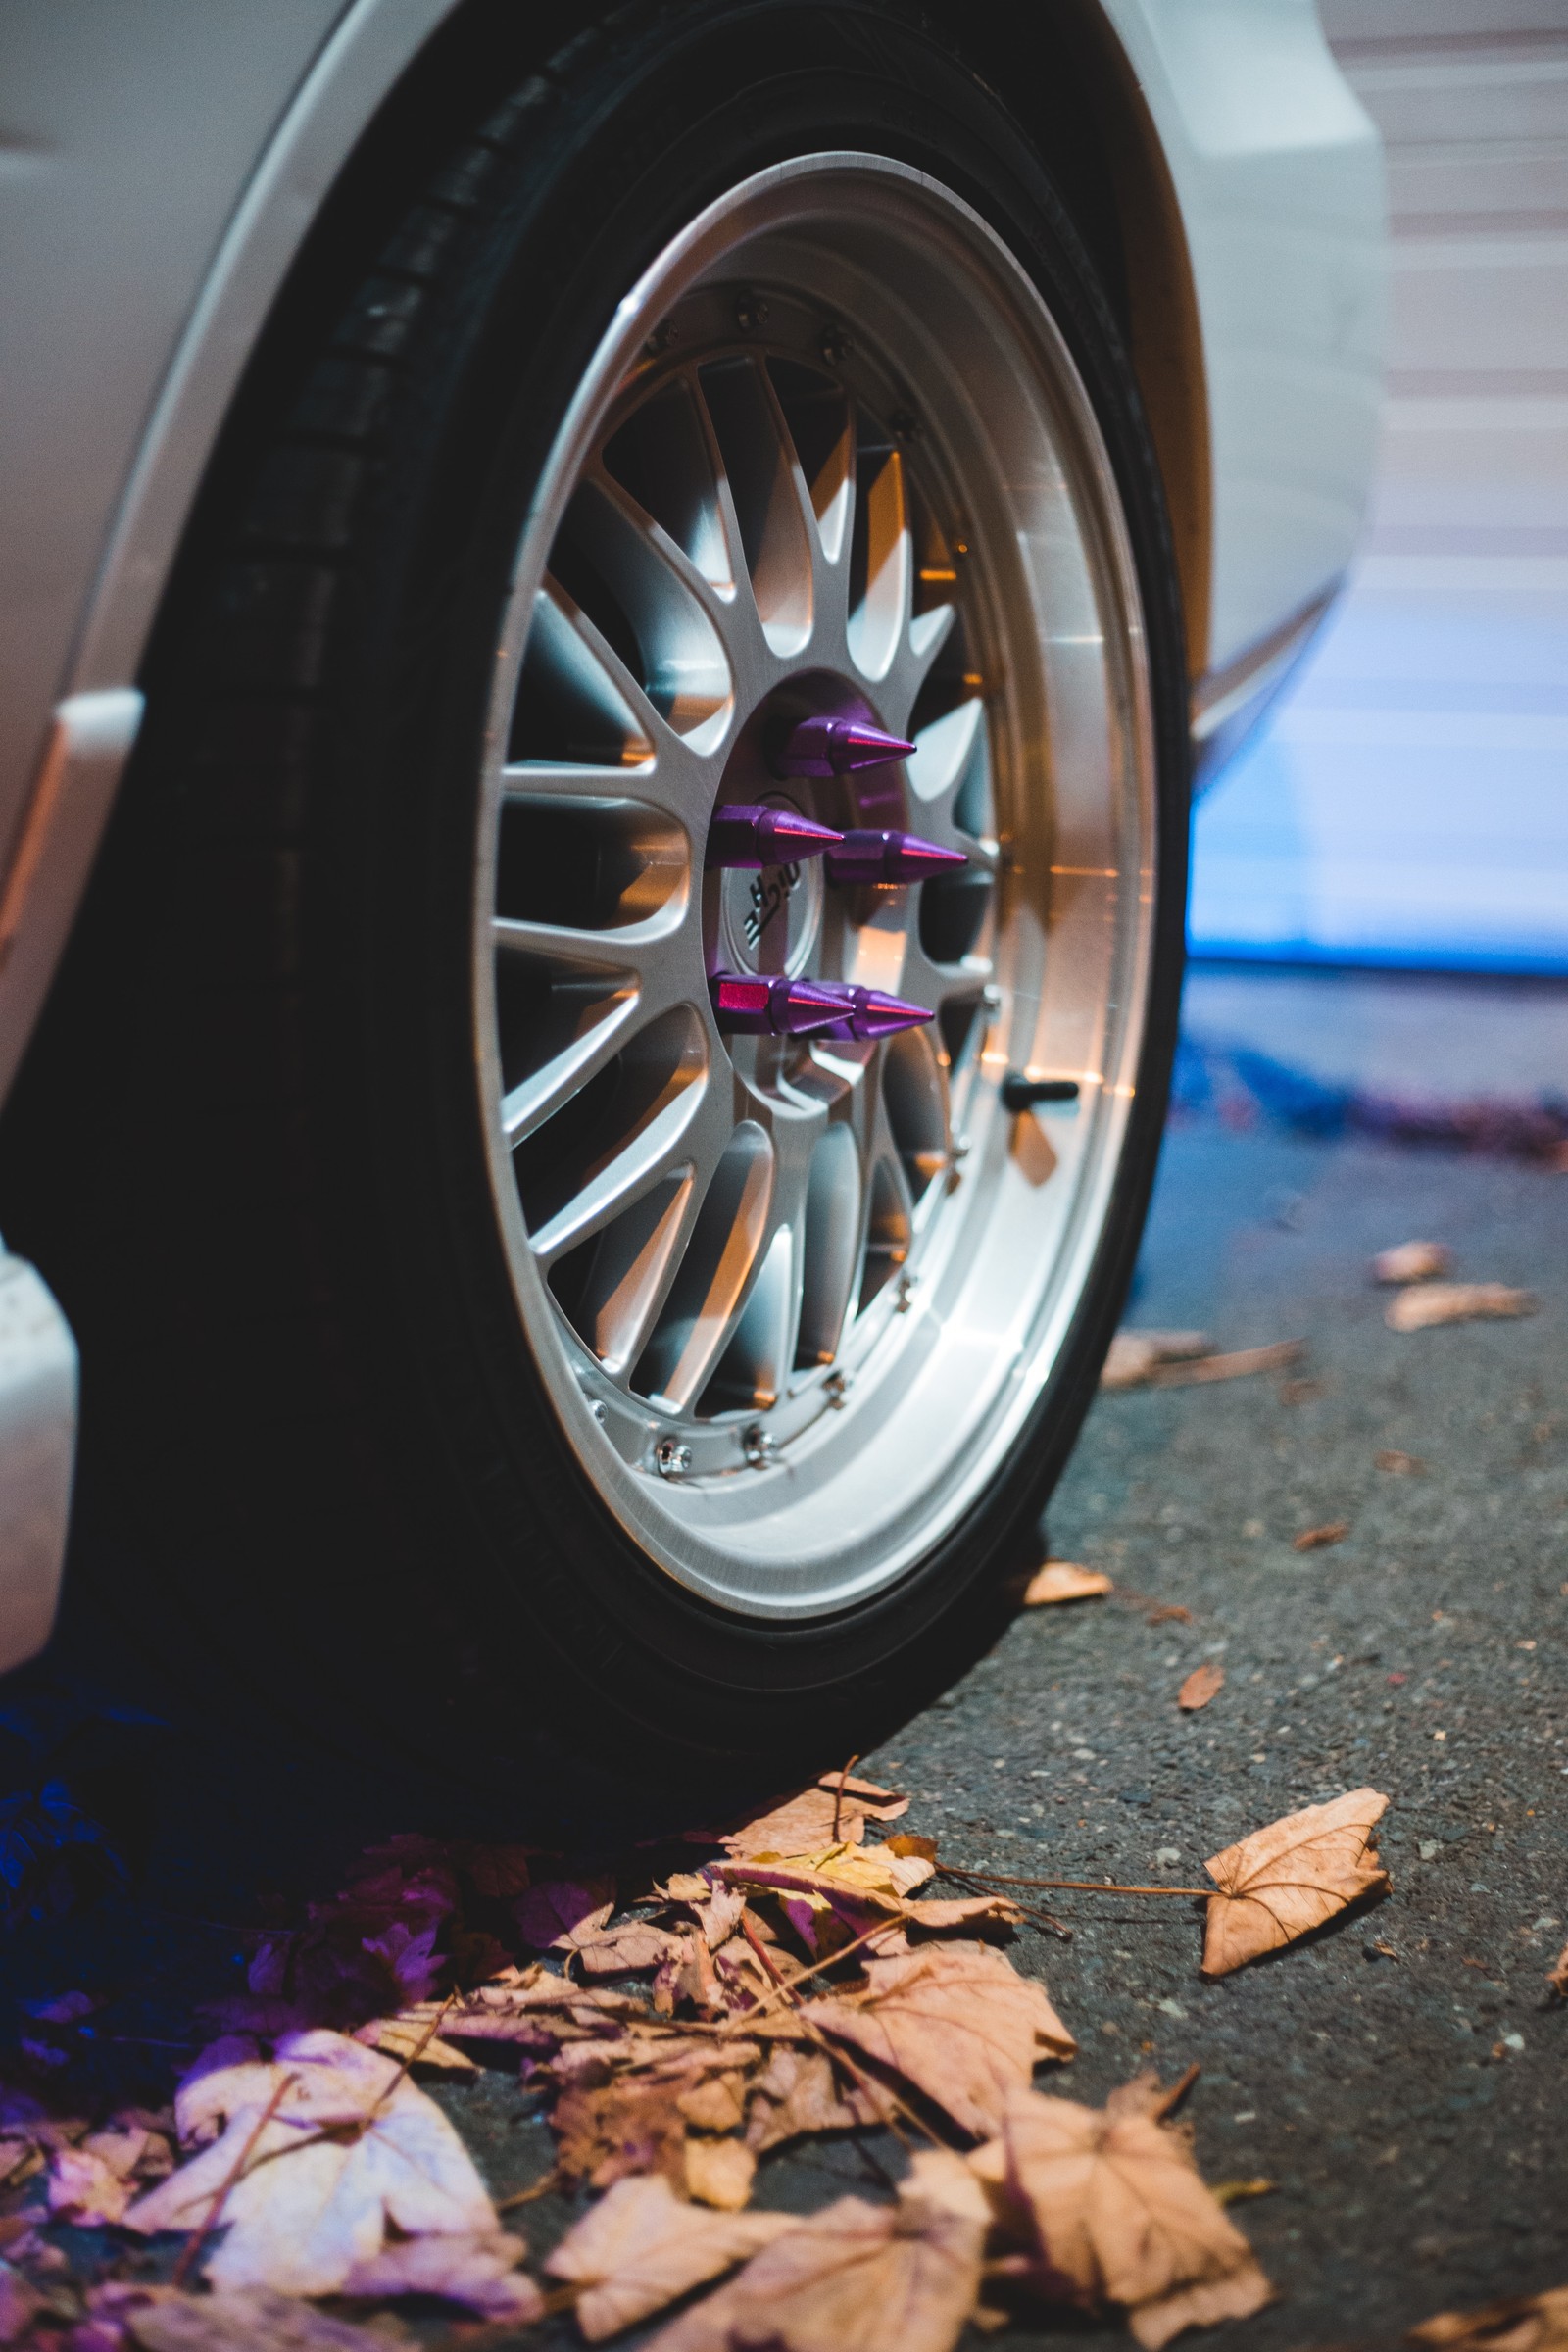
x: 793, y: 1300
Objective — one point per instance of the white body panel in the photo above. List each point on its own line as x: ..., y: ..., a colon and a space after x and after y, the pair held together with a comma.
x: 1279, y: 174
x: 161, y: 164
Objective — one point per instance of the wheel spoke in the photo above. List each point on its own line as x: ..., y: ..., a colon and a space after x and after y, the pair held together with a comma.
x: 653, y: 1144
x: 882, y: 568
x: 708, y: 1291
x: 759, y: 1352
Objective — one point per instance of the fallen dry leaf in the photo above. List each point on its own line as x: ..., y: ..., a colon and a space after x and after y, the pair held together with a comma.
x: 1238, y: 1364
x: 479, y: 2273
x: 611, y: 2123
x: 1455, y: 1303
x: 848, y: 1887
x: 1064, y: 1580
x: 800, y: 2091
x: 957, y: 2021
x: 720, y: 2172
x: 1135, y: 1355
x: 251, y: 2320
x: 19, y: 2303
x: 562, y: 1914
x: 1411, y: 1261
x: 97, y: 2179
x: 1204, y: 1682
x: 887, y: 1802
x: 855, y: 2277
x: 411, y: 2034
x: 807, y: 1821
x: 630, y: 1949
x: 641, y: 2246
x: 1314, y: 1539
x: 1524, y: 2323
x: 1399, y: 1465
x: 1557, y: 1977
x: 1284, y: 1879
x: 1117, y: 2212
x: 305, y: 2207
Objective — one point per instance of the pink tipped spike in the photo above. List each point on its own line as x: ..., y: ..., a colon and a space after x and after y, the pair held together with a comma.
x: 744, y: 834
x: 837, y: 747
x: 870, y: 1014
x: 873, y: 856
x: 772, y: 1004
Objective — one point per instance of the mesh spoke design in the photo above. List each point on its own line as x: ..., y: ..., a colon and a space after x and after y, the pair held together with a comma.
x: 827, y: 569
x: 745, y: 522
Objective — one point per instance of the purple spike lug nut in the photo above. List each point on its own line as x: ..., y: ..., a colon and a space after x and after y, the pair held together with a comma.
x: 744, y: 833
x: 870, y: 1014
x: 772, y: 1004
x: 836, y: 747
x: 871, y: 857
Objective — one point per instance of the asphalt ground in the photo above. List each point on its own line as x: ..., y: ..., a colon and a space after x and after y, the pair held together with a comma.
x: 1400, y: 2078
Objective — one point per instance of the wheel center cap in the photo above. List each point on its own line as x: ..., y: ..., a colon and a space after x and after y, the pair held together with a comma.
x: 770, y: 917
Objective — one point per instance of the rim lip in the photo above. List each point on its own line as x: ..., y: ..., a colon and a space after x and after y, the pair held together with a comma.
x: 642, y: 1505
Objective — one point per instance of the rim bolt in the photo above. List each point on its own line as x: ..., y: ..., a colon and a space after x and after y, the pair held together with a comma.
x: 750, y: 313
x: 744, y: 833
x: 770, y: 1004
x: 888, y: 858
x: 757, y: 1446
x: 837, y: 747
x: 835, y: 1389
x: 671, y: 1459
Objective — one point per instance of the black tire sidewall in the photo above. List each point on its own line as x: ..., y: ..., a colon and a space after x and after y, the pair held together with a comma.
x: 528, y: 1597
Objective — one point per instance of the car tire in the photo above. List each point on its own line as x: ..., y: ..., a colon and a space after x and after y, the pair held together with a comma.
x: 345, y: 1412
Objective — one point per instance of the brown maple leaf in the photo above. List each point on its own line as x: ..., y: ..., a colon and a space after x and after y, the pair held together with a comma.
x: 1204, y: 1682
x: 642, y: 2246
x: 631, y: 1948
x: 1524, y: 2323
x: 1115, y: 2211
x: 1238, y: 1364
x: 1411, y: 1261
x: 800, y: 2090
x: 886, y: 1803
x: 855, y: 2277
x: 620, y: 2108
x: 957, y: 2021
x: 1133, y: 1354
x: 1557, y: 1975
x: 811, y: 1819
x: 1289, y: 1877
x: 1455, y: 1303
x: 1064, y: 1580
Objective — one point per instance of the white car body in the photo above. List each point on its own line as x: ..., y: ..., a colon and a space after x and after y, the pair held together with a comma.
x: 162, y: 165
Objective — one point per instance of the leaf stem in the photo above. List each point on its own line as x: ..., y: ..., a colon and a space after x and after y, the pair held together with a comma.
x: 995, y: 1878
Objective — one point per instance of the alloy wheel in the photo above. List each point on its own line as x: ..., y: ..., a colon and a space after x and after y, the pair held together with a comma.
x: 794, y: 1286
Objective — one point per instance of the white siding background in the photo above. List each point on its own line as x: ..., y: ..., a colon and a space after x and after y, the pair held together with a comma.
x: 1408, y: 802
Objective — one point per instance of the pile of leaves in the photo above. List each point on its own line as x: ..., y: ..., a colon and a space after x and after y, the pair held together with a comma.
x: 805, y: 1977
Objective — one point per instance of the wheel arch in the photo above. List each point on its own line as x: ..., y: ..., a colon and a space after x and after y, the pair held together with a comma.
x: 1071, y: 84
